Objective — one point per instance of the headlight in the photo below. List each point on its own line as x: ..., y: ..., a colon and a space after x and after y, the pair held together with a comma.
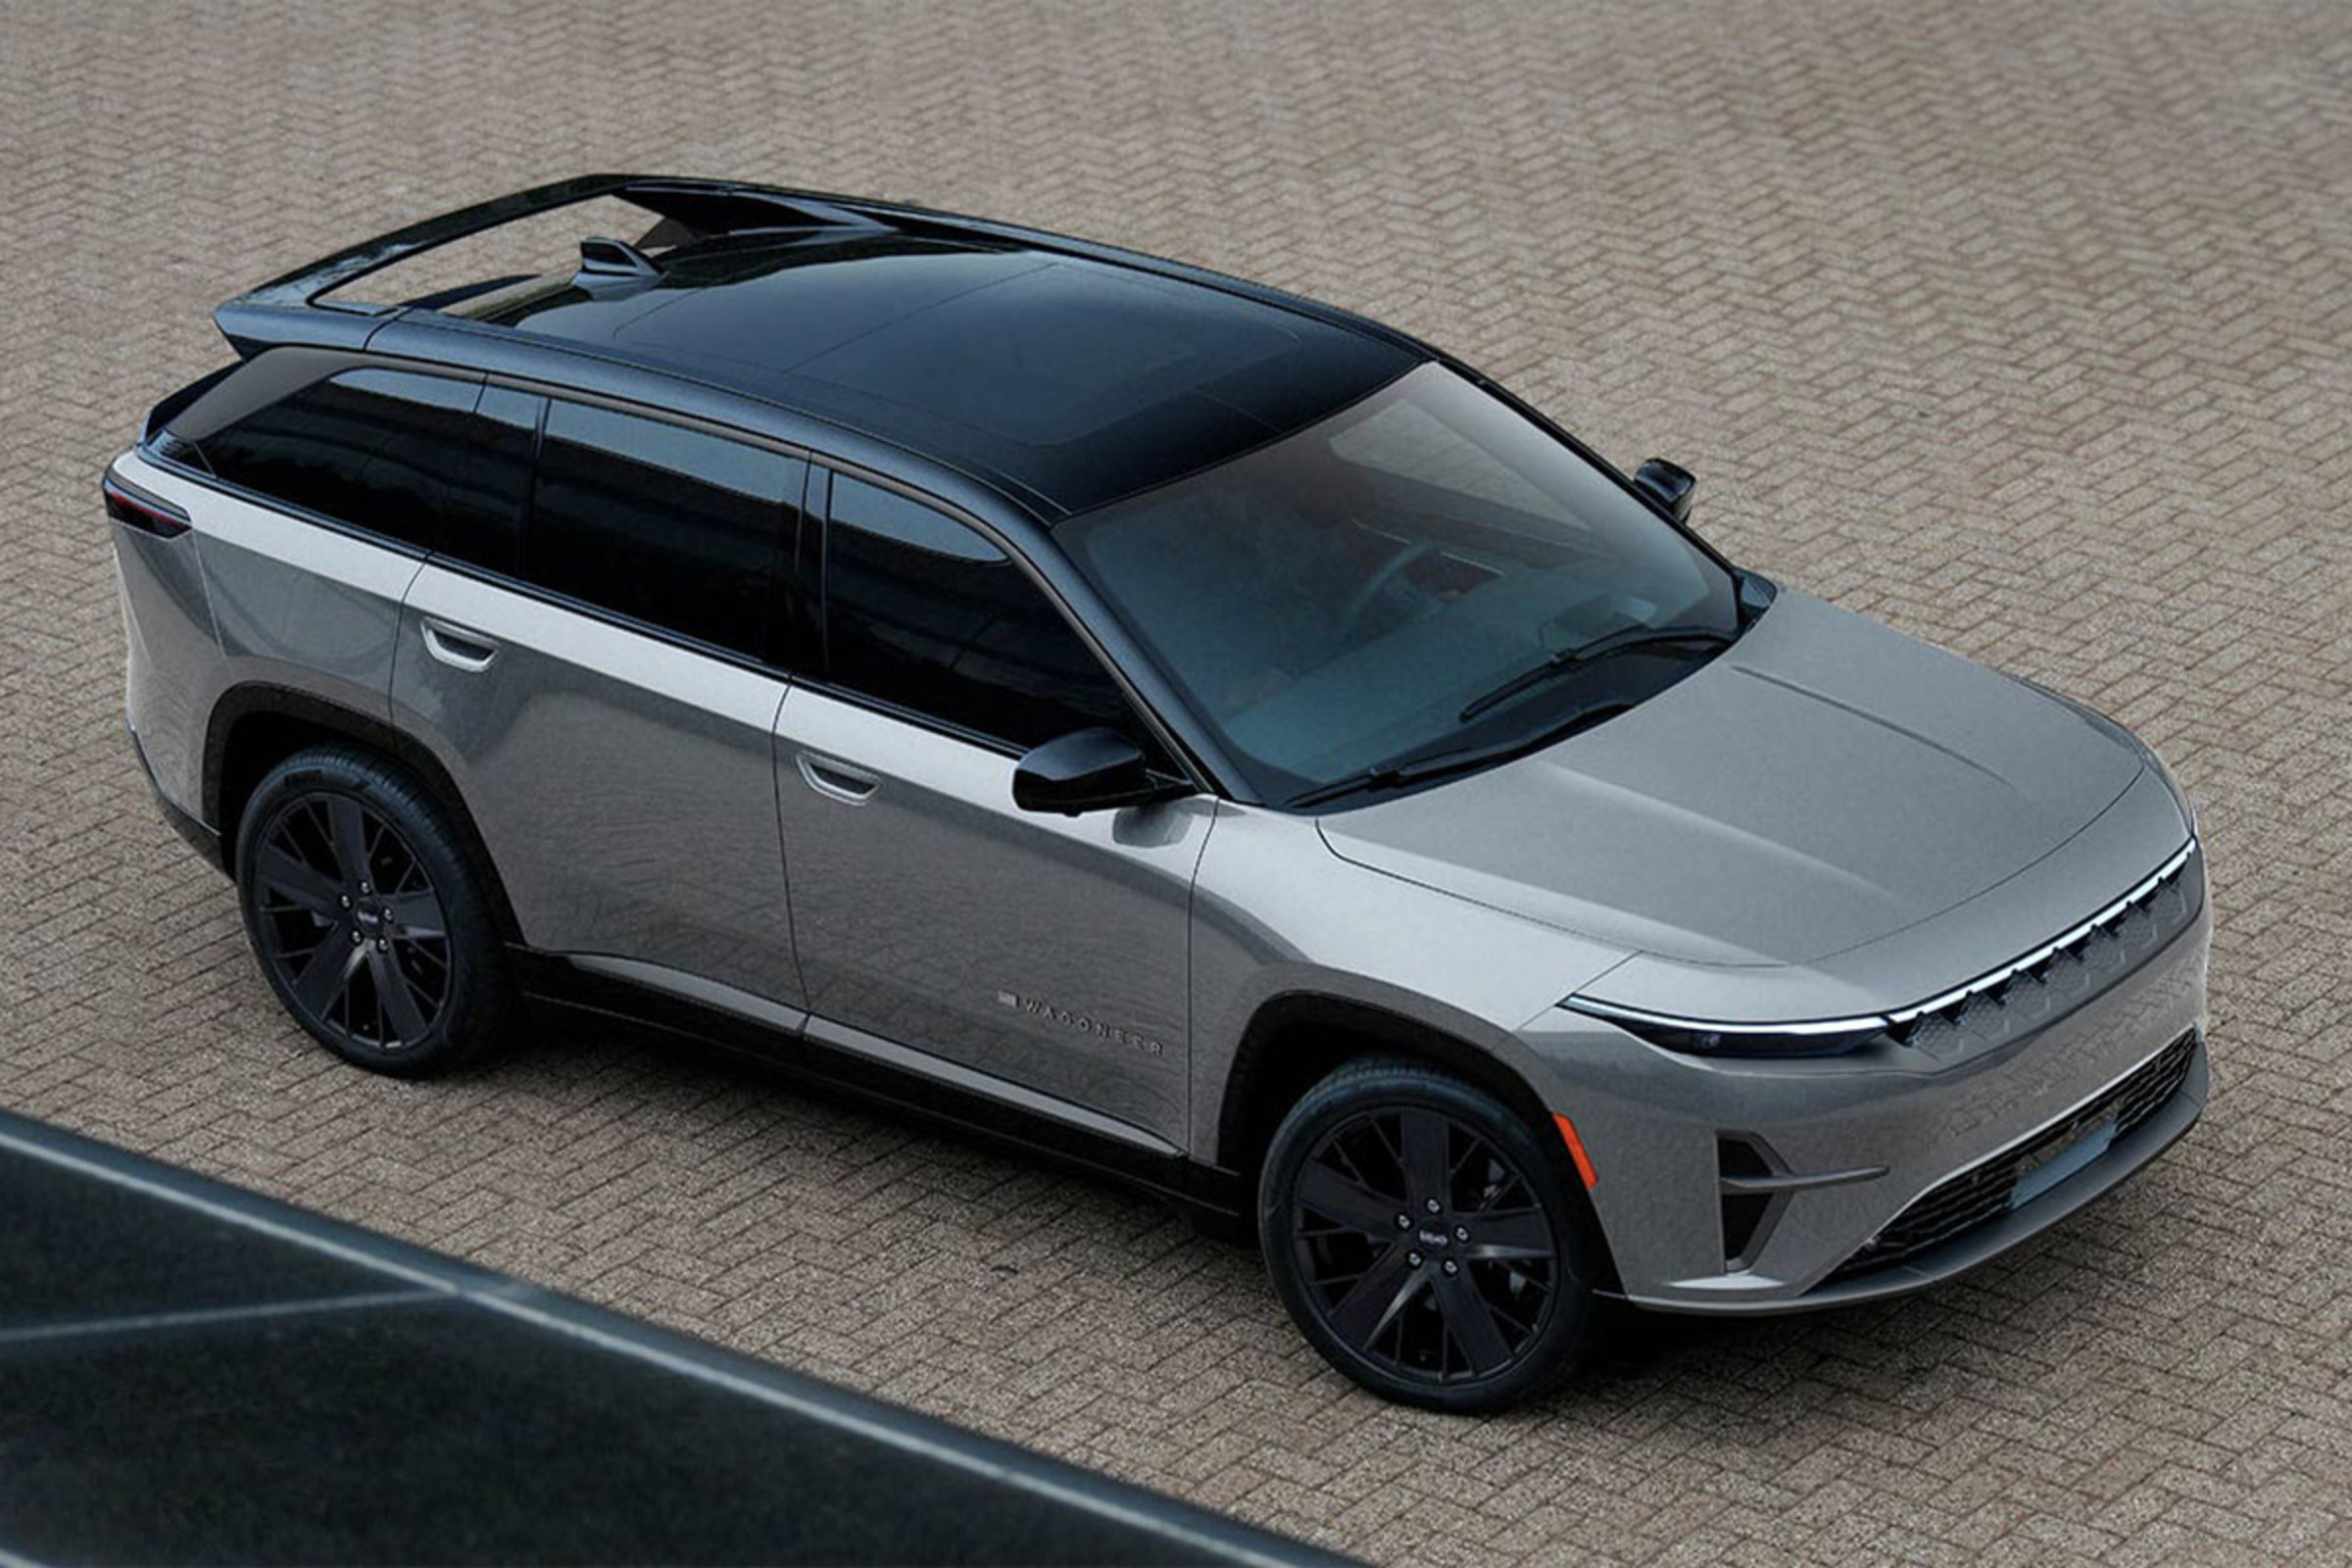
x: 1700, y: 1037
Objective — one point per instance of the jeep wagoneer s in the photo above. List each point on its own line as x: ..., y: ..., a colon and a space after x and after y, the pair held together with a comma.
x: 1159, y: 720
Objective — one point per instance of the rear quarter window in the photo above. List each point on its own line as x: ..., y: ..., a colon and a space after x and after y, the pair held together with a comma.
x: 434, y: 461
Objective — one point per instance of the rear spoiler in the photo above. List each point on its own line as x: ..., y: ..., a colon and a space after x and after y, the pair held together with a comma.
x: 290, y: 309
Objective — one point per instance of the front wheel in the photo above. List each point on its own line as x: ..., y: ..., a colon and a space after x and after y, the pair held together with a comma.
x: 367, y: 920
x: 1422, y: 1238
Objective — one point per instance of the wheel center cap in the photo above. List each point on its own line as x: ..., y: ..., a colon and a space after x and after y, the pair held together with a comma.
x: 1432, y: 1237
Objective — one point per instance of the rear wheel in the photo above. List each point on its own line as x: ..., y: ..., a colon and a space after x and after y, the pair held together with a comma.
x: 368, y: 923
x: 1422, y: 1237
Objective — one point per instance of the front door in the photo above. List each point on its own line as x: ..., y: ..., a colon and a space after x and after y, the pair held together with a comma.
x: 1045, y: 950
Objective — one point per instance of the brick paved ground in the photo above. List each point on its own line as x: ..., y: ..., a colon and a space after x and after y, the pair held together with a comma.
x: 2024, y: 326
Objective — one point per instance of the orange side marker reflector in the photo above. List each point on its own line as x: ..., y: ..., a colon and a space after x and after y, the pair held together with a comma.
x: 1576, y: 1150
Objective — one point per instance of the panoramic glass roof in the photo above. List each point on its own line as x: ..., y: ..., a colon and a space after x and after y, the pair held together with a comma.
x: 1074, y: 380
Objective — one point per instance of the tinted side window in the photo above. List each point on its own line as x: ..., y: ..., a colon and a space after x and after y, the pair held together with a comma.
x: 668, y: 525
x: 925, y: 613
x: 411, y: 457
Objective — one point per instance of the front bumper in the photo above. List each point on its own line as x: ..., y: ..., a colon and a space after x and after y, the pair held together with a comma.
x: 1981, y: 1242
x: 1893, y: 1125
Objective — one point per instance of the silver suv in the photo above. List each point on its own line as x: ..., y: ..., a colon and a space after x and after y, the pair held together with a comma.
x: 1154, y: 718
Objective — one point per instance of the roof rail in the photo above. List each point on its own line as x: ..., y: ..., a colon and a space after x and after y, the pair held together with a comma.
x: 289, y: 310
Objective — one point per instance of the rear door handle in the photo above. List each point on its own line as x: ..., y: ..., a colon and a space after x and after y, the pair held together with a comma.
x: 456, y: 647
x: 837, y: 779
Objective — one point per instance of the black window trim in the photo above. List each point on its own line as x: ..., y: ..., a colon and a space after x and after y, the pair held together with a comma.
x: 1162, y: 734
x: 778, y: 653
x: 284, y: 508
x: 778, y: 656
x: 784, y: 657
x: 336, y: 364
x: 775, y: 660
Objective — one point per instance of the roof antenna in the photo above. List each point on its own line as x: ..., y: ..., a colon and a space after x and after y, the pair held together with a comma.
x: 613, y: 261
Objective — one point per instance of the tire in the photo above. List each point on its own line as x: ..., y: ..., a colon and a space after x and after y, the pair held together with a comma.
x: 367, y: 917
x: 1470, y: 1307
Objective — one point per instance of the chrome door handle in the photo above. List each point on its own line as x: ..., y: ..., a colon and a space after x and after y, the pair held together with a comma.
x: 837, y: 779
x: 456, y: 647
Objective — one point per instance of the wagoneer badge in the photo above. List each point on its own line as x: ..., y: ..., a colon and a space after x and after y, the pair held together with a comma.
x: 1079, y: 1020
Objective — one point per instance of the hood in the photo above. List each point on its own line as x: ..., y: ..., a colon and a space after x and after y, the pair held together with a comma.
x: 1824, y: 782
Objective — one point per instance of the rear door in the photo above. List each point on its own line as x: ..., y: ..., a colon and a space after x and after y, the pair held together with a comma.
x: 603, y: 700
x: 1047, y: 951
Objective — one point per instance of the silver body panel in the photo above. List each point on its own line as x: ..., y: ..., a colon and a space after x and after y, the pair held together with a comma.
x: 171, y: 659
x: 1823, y: 783
x: 1829, y: 819
x: 1277, y: 914
x: 623, y: 785
x: 1649, y: 1120
x: 284, y: 603
x: 1052, y: 950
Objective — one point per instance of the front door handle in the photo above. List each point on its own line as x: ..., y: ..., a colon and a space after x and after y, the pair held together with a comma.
x: 837, y: 779
x: 456, y: 647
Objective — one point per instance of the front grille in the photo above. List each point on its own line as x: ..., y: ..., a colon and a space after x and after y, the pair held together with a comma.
x: 2039, y: 986
x: 1981, y: 1193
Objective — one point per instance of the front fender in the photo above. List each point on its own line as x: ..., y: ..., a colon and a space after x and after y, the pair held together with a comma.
x: 1275, y: 914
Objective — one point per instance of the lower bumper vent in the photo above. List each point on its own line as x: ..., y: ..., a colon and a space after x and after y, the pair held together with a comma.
x: 1744, y: 1213
x: 1985, y: 1191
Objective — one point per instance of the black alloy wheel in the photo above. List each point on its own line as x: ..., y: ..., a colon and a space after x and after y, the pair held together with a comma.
x: 1422, y: 1238
x: 368, y: 921
x: 350, y: 922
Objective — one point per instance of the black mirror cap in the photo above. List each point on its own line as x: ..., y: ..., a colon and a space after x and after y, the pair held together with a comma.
x: 1668, y: 484
x: 1087, y: 770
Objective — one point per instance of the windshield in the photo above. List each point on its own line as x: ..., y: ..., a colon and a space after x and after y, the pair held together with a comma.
x: 1355, y: 596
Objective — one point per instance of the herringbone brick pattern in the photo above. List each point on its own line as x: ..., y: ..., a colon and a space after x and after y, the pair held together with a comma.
x: 2027, y: 327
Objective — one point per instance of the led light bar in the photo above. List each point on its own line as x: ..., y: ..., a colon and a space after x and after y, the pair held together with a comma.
x: 1865, y: 1023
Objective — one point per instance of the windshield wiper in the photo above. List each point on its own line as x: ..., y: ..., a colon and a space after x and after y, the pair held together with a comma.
x: 1620, y: 641
x: 1462, y: 760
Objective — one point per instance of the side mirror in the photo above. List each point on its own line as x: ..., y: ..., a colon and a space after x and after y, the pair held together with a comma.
x: 1669, y: 485
x: 1090, y: 770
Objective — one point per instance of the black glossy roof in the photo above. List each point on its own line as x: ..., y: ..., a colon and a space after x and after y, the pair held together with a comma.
x: 1062, y: 378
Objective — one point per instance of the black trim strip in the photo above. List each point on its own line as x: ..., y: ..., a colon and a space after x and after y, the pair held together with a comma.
x: 1211, y: 1199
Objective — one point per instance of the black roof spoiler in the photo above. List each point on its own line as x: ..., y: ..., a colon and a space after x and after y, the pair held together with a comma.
x: 289, y: 310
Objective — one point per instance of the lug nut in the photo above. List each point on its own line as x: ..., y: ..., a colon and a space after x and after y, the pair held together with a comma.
x: 1413, y: 1259
x: 1451, y: 1267
x: 354, y: 938
x: 1432, y: 1205
x: 1405, y: 1222
x: 346, y: 900
x: 1461, y: 1233
x: 364, y: 890
x: 381, y: 946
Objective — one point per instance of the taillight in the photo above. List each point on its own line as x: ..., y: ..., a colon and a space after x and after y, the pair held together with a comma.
x: 143, y: 512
